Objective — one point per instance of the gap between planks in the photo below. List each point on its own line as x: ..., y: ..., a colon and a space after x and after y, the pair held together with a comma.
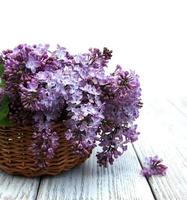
x: 17, y: 187
x: 163, y: 131
x: 141, y: 164
x: 91, y: 182
x: 107, y: 183
x: 39, y: 183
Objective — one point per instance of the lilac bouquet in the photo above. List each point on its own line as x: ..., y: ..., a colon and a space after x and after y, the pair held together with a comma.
x: 39, y: 87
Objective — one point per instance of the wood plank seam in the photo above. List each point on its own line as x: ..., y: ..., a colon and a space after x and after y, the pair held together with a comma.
x: 141, y: 164
x: 177, y: 108
x: 40, y: 180
x: 167, y: 139
x: 90, y: 182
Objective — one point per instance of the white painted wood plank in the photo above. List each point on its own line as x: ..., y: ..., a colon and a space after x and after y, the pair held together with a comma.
x: 180, y: 103
x: 17, y: 187
x: 164, y: 132
x: 122, y: 181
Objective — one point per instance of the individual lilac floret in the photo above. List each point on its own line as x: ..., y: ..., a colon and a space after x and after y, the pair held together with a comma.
x: 153, y: 166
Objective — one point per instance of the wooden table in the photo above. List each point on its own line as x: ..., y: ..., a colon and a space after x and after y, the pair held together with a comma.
x: 163, y: 127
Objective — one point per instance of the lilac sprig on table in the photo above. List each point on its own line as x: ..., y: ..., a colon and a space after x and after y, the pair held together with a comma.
x: 153, y: 166
x: 45, y: 87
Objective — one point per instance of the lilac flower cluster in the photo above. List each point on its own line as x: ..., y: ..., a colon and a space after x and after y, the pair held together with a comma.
x: 47, y: 86
x: 45, y: 142
x: 153, y: 166
x: 121, y: 95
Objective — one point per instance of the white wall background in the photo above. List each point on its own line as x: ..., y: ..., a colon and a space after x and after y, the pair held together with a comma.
x: 146, y: 35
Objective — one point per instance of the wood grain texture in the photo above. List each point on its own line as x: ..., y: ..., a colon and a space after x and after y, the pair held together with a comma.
x: 122, y: 181
x: 180, y: 103
x: 17, y: 187
x: 164, y: 133
x: 163, y: 127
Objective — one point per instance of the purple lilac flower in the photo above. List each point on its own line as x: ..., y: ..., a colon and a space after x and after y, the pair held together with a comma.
x: 153, y: 166
x: 122, y: 103
x: 50, y: 86
x: 52, y: 93
x: 25, y: 60
x: 29, y: 95
x: 84, y: 103
x: 131, y: 135
x: 45, y: 142
x: 32, y: 64
x: 19, y: 115
x: 61, y: 53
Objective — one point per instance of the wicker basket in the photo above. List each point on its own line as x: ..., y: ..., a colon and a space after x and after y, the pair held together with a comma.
x: 15, y: 157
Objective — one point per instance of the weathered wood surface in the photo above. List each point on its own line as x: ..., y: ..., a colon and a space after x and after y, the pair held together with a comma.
x: 164, y: 132
x: 180, y: 103
x: 90, y: 182
x: 17, y: 187
x: 163, y: 127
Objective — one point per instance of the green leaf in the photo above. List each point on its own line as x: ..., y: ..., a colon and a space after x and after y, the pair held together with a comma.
x: 5, y: 100
x: 4, y: 104
x: 2, y: 83
x: 5, y: 122
x: 4, y: 110
x: 1, y: 69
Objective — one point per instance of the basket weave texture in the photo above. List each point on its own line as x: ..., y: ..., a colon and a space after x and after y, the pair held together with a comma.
x: 17, y: 159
